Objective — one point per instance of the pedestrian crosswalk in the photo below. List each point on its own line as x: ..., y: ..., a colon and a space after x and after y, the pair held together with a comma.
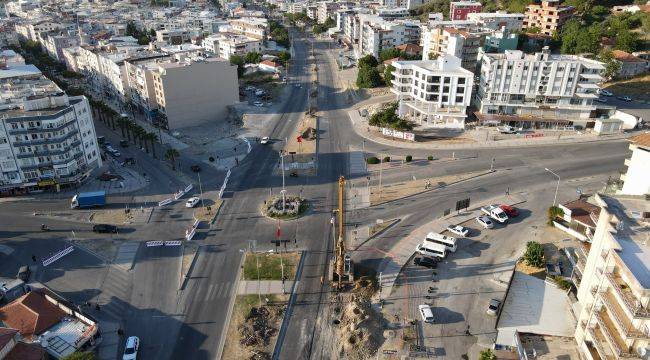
x: 115, y: 292
x: 218, y: 291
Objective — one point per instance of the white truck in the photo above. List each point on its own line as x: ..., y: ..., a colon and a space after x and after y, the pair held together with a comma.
x: 495, y: 212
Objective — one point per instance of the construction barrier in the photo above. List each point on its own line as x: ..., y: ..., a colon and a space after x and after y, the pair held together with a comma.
x: 533, y: 135
x: 58, y: 255
x: 189, y: 234
x: 188, y: 188
x: 248, y: 144
x: 173, y: 243
x: 225, y: 183
x: 165, y: 202
x: 155, y: 243
x: 196, y: 223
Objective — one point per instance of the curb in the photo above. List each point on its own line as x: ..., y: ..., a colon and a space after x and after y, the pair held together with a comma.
x: 231, y: 305
x: 287, y: 313
x: 378, y: 233
x: 190, y: 269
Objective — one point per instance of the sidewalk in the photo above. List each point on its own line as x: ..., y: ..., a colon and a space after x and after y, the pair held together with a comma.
x: 107, y: 349
x: 250, y: 287
x: 403, y: 250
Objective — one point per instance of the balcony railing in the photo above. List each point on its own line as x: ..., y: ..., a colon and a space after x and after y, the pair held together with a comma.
x: 616, y: 346
x: 631, y: 303
x: 628, y: 330
x: 598, y: 344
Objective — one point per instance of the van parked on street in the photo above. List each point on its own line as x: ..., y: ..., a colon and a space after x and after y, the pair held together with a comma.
x: 431, y: 249
x: 447, y: 241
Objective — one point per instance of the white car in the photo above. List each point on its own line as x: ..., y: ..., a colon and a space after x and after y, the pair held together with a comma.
x: 191, y: 202
x: 606, y: 92
x: 493, y: 307
x: 259, y: 92
x: 426, y: 313
x: 485, y: 222
x: 131, y: 348
x: 625, y: 98
x: 458, y: 230
x: 265, y: 140
x: 249, y: 88
x: 258, y: 103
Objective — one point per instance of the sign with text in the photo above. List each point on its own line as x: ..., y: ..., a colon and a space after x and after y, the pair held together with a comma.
x: 398, y: 134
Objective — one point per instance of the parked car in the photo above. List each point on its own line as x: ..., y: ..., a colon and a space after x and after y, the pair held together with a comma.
x: 196, y: 168
x: 485, y: 222
x: 606, y: 92
x: 259, y: 92
x: 258, y: 103
x: 493, y: 307
x: 131, y: 348
x: 191, y: 202
x: 426, y: 262
x: 298, y: 85
x: 458, y: 230
x: 124, y: 143
x: 426, y: 313
x: 249, y: 88
x: 265, y: 140
x: 625, y: 98
x: 128, y: 161
x: 601, y: 100
x: 506, y: 129
x: 509, y: 210
x: 105, y: 228
x: 23, y: 273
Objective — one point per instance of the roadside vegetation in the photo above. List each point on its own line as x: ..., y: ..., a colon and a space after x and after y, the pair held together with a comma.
x: 534, y: 255
x: 270, y: 265
x: 387, y: 118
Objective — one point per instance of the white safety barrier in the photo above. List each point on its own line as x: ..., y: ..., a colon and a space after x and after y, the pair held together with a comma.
x: 155, y: 243
x: 173, y: 243
x: 58, y: 255
x: 188, y: 188
x: 196, y: 223
x: 189, y: 234
x: 165, y: 202
x: 225, y: 183
x: 248, y: 144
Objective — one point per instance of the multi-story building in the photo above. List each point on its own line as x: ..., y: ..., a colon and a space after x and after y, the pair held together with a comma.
x: 407, y: 4
x: 614, y: 291
x: 548, y: 17
x: 498, y: 20
x: 500, y: 41
x: 183, y: 91
x: 458, y: 10
x: 538, y: 89
x: 47, y: 138
x: 325, y: 10
x: 462, y: 42
x: 225, y: 45
x: 433, y: 93
x: 252, y: 27
x: 377, y: 34
x: 30, y: 30
x: 635, y: 179
x: 174, y: 37
x: 53, y: 43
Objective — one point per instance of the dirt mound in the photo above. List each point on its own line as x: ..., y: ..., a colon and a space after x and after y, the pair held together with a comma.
x: 360, y: 329
x: 309, y: 134
x: 257, y: 329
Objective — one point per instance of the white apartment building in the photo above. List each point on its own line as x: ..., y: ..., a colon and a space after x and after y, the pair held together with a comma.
x: 174, y: 37
x: 495, y: 21
x: 225, y: 45
x: 408, y: 4
x: 538, y: 90
x: 47, y: 139
x: 184, y: 91
x: 377, y: 34
x: 252, y: 27
x: 433, y: 93
x: 636, y: 180
x: 53, y: 44
x: 463, y: 42
x: 614, y: 291
x: 30, y: 30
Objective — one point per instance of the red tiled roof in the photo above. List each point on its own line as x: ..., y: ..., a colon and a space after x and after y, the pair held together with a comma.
x: 31, y: 314
x: 390, y: 61
x: 625, y: 56
x: 6, y: 334
x: 641, y: 139
x: 270, y: 63
x: 581, y: 211
x: 410, y: 48
x: 23, y: 351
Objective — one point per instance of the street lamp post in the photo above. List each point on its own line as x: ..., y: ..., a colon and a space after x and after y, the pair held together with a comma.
x: 283, y: 192
x: 557, y: 186
x: 201, y: 190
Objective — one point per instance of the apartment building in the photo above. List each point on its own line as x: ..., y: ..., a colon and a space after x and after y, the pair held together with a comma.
x: 325, y: 10
x: 538, y: 90
x: 225, y: 45
x: 462, y: 42
x: 47, y: 138
x: 174, y: 37
x: 54, y: 43
x: 433, y: 93
x: 183, y: 91
x: 635, y: 179
x: 377, y: 34
x: 458, y: 10
x: 252, y: 27
x: 30, y: 30
x: 406, y: 4
x: 614, y: 292
x: 498, y: 20
x: 547, y: 16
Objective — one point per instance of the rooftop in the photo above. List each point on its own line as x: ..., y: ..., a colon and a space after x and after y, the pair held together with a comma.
x: 31, y: 314
x: 626, y: 57
x: 581, y: 211
x: 641, y: 140
x: 64, y: 338
x: 445, y: 64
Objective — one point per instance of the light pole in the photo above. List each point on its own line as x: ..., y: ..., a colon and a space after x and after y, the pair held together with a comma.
x: 283, y: 192
x: 201, y: 190
x: 557, y: 186
x: 381, y: 167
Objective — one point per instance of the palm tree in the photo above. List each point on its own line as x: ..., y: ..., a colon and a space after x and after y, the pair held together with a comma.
x: 139, y: 132
x: 123, y: 123
x: 171, y: 155
x: 131, y: 131
x: 152, y: 137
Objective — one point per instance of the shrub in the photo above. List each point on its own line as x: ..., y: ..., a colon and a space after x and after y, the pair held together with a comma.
x: 430, y: 157
x: 409, y: 158
x: 562, y: 283
x: 553, y: 213
x: 386, y: 158
x: 487, y: 354
x: 534, y: 255
x: 372, y: 160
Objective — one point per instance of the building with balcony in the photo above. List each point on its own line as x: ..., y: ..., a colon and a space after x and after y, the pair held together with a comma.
x: 635, y: 179
x: 254, y: 27
x: 433, y: 93
x: 464, y: 42
x: 614, y: 294
x: 538, y: 90
x: 47, y: 138
x: 406, y: 4
x: 498, y: 20
x: 547, y: 16
x: 458, y: 10
x: 377, y: 34
x: 225, y: 45
x: 174, y: 37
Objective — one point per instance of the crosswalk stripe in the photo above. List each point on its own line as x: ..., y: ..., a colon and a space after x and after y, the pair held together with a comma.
x: 207, y: 293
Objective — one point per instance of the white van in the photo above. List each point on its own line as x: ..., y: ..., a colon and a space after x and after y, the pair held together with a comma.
x: 448, y: 242
x: 431, y: 249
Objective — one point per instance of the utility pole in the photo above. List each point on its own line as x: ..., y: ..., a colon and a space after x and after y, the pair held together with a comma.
x: 492, y: 165
x: 340, y: 245
x: 381, y: 167
x: 201, y: 190
x: 283, y: 191
x: 557, y: 186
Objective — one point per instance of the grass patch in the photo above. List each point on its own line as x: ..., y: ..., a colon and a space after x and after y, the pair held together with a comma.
x: 271, y: 265
x: 636, y: 87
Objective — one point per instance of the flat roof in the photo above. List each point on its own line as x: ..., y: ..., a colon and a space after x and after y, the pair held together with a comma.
x: 63, y: 338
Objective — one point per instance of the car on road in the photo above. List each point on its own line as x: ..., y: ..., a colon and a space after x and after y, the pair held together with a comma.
x: 105, y: 228
x: 601, y: 100
x: 23, y: 273
x: 426, y: 262
x: 458, y: 230
x: 426, y: 313
x: 196, y: 168
x: 265, y: 140
x: 485, y: 221
x: 511, y: 211
x: 606, y: 92
x: 250, y: 88
x: 191, y: 202
x: 258, y: 103
x: 124, y: 143
x: 625, y: 98
x: 506, y: 129
x: 493, y: 307
x: 298, y: 85
x: 260, y: 92
x: 131, y: 348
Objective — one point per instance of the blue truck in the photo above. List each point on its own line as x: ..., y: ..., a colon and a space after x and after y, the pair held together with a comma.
x: 88, y: 199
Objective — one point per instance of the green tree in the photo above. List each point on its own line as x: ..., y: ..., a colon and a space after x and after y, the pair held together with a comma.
x: 284, y: 56
x: 534, y: 255
x: 487, y: 354
x: 152, y: 138
x: 143, y: 40
x: 329, y: 23
x: 171, y: 155
x: 388, y: 74
x: 86, y: 355
x: 252, y: 57
x: 389, y: 53
x: 627, y: 40
x: 152, y: 33
x: 131, y: 29
x: 367, y: 61
x: 239, y: 61
x: 387, y: 117
x: 612, y: 66
x: 368, y: 77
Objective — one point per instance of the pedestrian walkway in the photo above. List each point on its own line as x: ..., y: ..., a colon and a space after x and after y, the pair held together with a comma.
x: 111, y: 341
x: 264, y: 286
x: 404, y: 249
x: 357, y: 164
x: 126, y: 254
x: 110, y: 307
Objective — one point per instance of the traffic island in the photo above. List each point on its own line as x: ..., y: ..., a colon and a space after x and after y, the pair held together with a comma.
x: 270, y: 266
x: 292, y: 207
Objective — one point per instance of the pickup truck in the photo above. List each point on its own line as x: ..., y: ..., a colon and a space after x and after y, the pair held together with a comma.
x: 495, y: 212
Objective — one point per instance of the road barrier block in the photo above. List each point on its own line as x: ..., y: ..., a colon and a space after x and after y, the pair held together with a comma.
x: 196, y: 223
x: 165, y: 202
x: 173, y: 243
x: 58, y: 255
x: 189, y: 234
x: 155, y: 243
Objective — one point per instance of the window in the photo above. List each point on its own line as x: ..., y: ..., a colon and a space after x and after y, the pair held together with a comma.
x: 461, y: 80
x: 459, y: 99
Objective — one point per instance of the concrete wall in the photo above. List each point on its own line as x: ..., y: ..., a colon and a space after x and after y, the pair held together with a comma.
x: 637, y: 181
